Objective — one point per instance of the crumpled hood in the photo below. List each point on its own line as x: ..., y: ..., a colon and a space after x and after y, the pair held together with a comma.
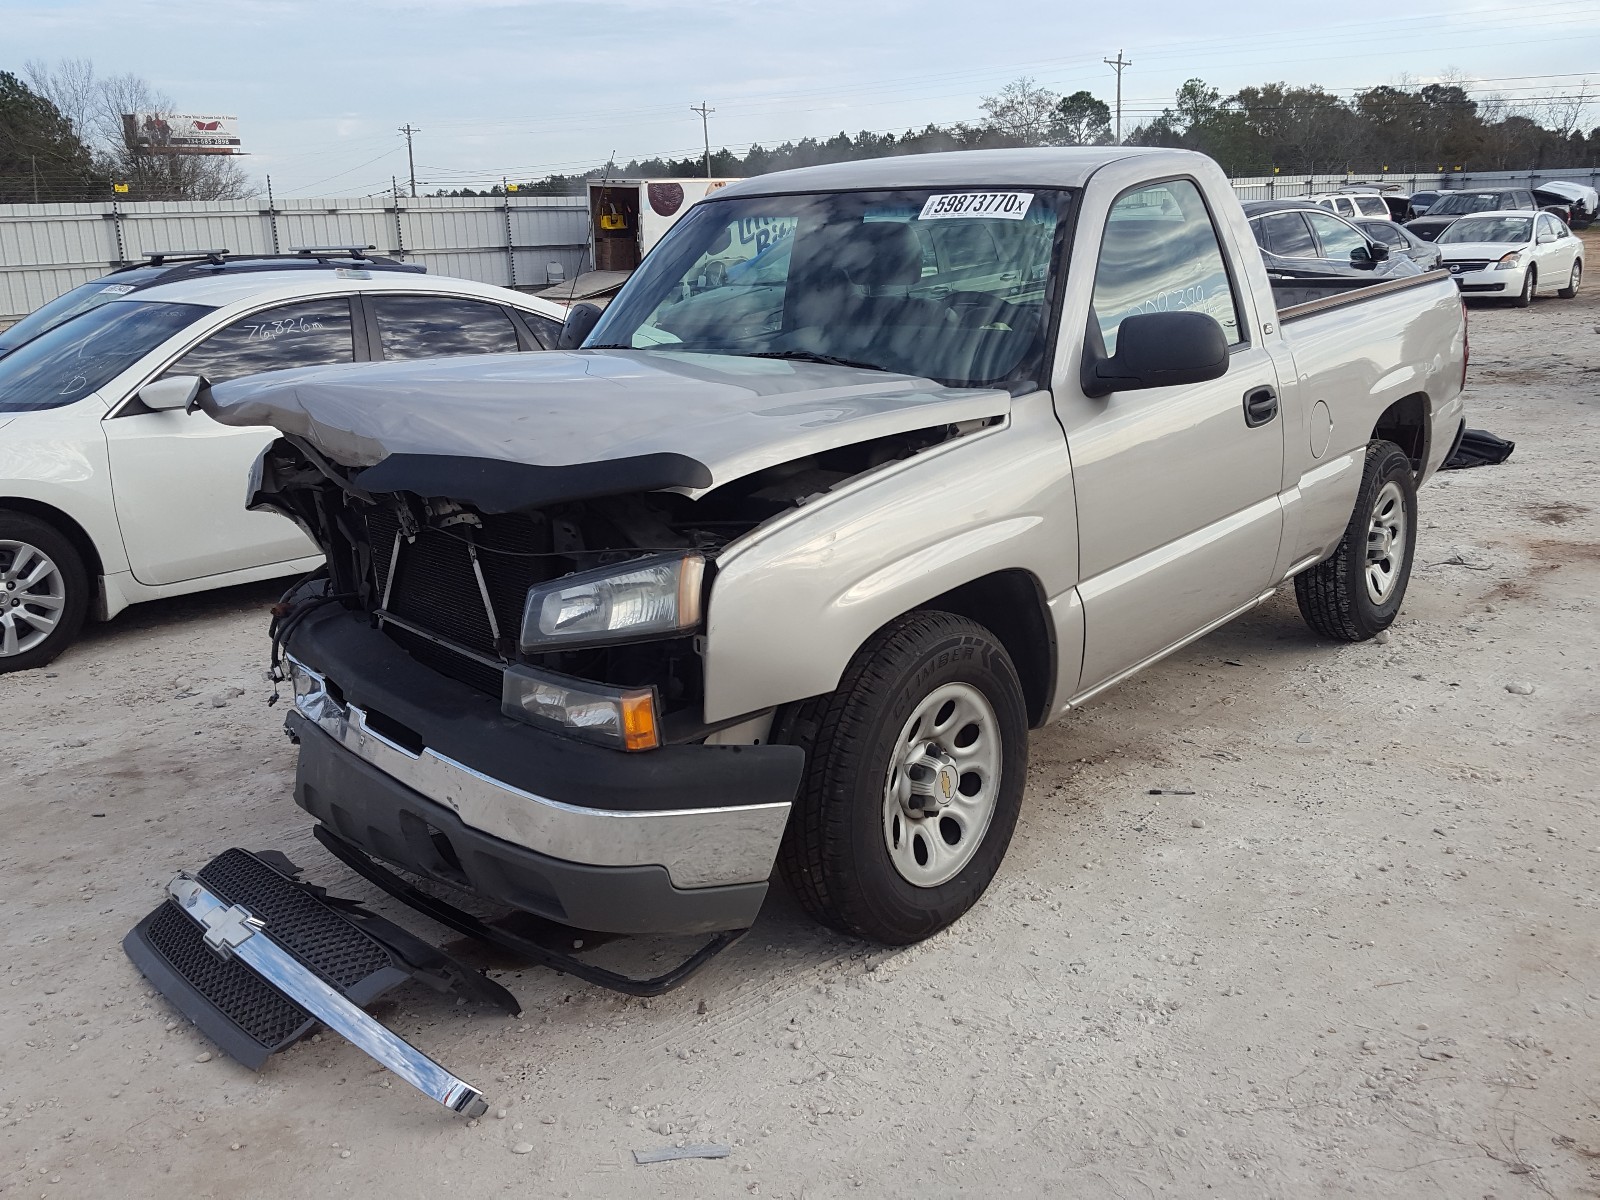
x: 565, y: 409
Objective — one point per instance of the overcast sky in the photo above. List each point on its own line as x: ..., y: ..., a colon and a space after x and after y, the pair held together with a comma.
x: 527, y: 87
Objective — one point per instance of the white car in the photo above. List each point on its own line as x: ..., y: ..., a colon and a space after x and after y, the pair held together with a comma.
x: 1354, y: 206
x: 112, y: 491
x: 1517, y: 254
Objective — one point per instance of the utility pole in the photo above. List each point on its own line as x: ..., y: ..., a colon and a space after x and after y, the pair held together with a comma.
x: 411, y: 160
x: 705, y: 129
x: 1117, y: 64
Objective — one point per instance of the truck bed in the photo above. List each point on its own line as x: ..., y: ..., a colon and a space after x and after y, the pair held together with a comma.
x: 1300, y: 297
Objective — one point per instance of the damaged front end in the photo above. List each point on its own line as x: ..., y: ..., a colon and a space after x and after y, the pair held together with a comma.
x: 520, y: 595
x: 499, y: 673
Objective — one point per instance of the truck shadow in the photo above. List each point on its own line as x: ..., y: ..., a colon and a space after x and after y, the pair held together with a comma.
x: 158, y: 617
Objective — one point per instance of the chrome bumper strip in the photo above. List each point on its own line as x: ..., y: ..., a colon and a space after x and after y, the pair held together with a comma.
x: 699, y: 847
x: 234, y: 932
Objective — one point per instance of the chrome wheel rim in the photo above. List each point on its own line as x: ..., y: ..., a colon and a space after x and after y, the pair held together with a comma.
x: 1577, y: 277
x: 1386, y: 542
x: 943, y: 780
x: 33, y: 594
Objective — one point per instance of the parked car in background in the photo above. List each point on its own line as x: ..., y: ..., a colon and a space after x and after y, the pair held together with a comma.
x: 1303, y: 241
x: 1451, y: 205
x: 1517, y: 254
x: 1351, y: 205
x: 1401, y: 241
x: 113, y: 491
x: 1582, y: 202
x: 157, y: 269
x: 1419, y: 202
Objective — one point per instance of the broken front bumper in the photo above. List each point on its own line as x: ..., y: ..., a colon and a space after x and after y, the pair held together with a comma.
x: 426, y: 773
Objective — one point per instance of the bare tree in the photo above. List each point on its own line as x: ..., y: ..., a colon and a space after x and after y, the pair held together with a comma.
x: 95, y: 104
x: 1565, y: 114
x: 1022, y: 110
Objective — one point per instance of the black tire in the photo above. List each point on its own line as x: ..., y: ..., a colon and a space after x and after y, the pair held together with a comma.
x: 1334, y: 596
x: 1575, y: 280
x: 835, y: 854
x: 1530, y: 281
x: 44, y: 537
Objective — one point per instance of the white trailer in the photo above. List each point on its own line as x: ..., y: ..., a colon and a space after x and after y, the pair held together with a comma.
x: 628, y: 216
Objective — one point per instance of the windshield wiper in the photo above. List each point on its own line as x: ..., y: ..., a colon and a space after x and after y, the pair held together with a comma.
x: 831, y: 360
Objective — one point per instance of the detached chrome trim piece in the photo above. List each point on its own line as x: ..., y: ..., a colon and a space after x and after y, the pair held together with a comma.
x: 699, y: 847
x: 232, y: 931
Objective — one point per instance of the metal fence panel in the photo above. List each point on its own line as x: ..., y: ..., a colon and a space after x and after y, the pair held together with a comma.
x: 1271, y: 187
x: 47, y: 249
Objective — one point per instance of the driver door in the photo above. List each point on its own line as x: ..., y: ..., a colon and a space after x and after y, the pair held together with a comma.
x: 1177, y: 488
x: 178, y: 479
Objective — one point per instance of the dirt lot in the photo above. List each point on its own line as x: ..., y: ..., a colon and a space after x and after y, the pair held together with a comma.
x: 1362, y: 959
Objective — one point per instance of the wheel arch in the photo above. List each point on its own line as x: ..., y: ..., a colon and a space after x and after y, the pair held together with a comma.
x: 1011, y: 605
x: 68, y: 527
x: 1408, y: 423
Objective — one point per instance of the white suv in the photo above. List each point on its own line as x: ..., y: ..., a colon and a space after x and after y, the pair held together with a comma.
x: 1353, y: 206
x: 113, y: 492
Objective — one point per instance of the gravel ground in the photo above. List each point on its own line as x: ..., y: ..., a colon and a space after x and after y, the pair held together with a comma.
x: 1360, y: 959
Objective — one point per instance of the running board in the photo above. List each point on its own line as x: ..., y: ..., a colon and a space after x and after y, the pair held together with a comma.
x: 257, y: 959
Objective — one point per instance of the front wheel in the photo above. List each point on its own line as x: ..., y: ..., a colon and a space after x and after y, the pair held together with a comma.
x: 1530, y: 281
x: 1573, y: 281
x: 915, y: 768
x: 1356, y: 593
x: 44, y: 592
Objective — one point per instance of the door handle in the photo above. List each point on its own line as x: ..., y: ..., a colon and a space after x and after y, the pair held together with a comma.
x: 1260, y: 406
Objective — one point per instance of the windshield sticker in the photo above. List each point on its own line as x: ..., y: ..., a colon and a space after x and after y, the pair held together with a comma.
x: 1012, y: 206
x: 117, y: 289
x: 347, y: 273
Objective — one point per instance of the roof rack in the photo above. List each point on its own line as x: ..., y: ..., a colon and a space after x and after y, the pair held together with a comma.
x: 354, y: 251
x: 174, y: 265
x: 160, y: 258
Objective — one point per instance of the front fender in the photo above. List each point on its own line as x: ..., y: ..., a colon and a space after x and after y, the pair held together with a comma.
x: 56, y: 459
x: 793, y: 600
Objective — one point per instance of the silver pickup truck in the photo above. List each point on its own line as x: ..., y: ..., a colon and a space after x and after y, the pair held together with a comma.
x: 868, y: 470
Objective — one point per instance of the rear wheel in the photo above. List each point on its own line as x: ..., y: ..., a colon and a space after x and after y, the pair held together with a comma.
x: 1356, y: 593
x: 44, y: 592
x: 914, y: 776
x: 1573, y: 281
x: 1530, y: 281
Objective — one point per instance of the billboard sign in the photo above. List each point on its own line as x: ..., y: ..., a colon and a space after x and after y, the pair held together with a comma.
x: 180, y: 133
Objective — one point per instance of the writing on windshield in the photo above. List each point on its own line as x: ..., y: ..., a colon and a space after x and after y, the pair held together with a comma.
x: 81, y: 355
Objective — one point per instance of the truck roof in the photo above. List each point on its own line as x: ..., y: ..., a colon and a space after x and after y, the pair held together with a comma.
x: 1047, y: 166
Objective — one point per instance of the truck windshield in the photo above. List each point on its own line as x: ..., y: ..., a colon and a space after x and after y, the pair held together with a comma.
x: 65, y: 364
x: 951, y: 285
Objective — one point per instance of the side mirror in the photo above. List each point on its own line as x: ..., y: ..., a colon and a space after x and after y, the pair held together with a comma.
x: 170, y: 392
x: 1375, y: 252
x: 1159, y: 350
x: 580, y: 322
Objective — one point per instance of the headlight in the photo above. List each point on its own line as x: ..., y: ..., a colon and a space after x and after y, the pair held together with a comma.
x: 640, y: 599
x: 621, y: 717
x: 1510, y: 262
